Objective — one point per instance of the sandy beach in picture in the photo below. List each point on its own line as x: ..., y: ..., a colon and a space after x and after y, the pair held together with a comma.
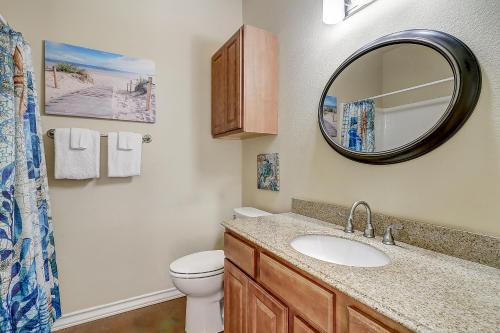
x: 90, y: 83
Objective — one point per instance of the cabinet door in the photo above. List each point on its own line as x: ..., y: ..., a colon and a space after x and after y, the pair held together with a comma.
x: 299, y: 326
x: 235, y: 299
x: 219, y: 92
x: 312, y: 302
x: 265, y: 313
x: 233, y: 119
x: 360, y: 322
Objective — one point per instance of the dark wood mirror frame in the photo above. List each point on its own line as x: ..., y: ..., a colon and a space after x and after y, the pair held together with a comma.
x: 467, y: 87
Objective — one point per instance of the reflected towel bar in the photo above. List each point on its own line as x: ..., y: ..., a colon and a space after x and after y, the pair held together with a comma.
x: 146, y: 138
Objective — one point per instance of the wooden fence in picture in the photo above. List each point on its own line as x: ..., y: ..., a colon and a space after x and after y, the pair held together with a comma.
x: 149, y: 91
x: 148, y: 96
x: 53, y: 70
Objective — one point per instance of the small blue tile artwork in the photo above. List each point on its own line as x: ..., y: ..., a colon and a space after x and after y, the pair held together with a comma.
x: 268, y: 172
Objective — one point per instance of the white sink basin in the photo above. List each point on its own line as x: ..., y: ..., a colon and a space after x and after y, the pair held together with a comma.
x: 340, y: 251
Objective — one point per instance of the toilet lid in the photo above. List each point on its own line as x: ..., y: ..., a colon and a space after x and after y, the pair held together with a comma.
x: 250, y: 212
x: 200, y: 262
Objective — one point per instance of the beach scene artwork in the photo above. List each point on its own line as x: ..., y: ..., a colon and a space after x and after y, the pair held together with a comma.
x: 84, y: 82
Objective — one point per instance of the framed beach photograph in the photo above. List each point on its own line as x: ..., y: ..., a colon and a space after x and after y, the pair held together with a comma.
x: 84, y: 82
x: 330, y: 115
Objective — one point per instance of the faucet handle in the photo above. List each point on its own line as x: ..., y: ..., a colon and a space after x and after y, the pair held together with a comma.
x: 388, y: 239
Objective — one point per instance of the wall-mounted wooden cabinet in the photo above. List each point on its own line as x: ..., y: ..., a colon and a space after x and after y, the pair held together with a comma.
x: 264, y: 294
x: 245, y: 85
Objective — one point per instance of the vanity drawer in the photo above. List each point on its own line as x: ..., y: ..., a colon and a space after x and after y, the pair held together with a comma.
x: 240, y: 253
x: 360, y: 322
x: 315, y: 304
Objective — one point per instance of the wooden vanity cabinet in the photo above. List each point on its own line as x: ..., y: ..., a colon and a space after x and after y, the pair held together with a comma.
x: 313, y: 303
x: 265, y: 313
x: 362, y: 323
x: 235, y: 299
x: 265, y: 294
x: 248, y: 307
x: 245, y: 85
x: 240, y: 253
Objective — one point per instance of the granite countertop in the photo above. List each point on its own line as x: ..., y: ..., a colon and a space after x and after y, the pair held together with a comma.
x: 423, y: 290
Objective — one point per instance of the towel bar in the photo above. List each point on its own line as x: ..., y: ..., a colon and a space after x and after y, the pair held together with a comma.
x: 146, y: 138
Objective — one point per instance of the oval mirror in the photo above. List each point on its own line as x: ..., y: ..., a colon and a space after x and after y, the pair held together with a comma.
x: 399, y: 97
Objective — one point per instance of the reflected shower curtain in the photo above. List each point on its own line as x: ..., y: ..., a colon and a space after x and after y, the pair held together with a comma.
x: 358, y: 126
x: 29, y: 290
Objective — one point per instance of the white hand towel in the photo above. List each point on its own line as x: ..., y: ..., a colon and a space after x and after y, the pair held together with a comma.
x: 76, y: 163
x: 124, y: 163
x: 126, y: 140
x: 79, y: 138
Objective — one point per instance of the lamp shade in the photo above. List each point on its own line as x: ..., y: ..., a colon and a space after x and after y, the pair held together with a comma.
x: 333, y: 11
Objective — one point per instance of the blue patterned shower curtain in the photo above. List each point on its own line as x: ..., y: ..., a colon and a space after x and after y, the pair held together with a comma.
x: 358, y: 126
x: 29, y: 290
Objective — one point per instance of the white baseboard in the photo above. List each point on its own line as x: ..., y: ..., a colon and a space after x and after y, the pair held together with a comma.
x: 111, y: 309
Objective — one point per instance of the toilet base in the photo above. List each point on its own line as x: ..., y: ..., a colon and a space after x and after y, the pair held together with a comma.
x: 205, y: 314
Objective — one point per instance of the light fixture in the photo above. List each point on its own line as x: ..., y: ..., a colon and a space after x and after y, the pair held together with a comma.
x: 354, y: 6
x: 333, y: 11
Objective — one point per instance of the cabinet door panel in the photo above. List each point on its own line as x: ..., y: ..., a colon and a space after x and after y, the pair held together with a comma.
x: 265, y: 313
x: 240, y: 253
x: 362, y: 323
x: 219, y: 92
x: 233, y: 74
x: 235, y: 299
x: 299, y: 326
x: 312, y: 302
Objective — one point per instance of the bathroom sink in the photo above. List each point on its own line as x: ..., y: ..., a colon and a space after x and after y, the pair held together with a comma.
x: 340, y: 251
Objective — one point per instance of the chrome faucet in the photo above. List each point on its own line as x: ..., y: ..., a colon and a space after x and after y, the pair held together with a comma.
x: 349, y: 228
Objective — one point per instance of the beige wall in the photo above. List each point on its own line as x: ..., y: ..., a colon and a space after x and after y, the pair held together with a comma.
x: 457, y: 184
x: 408, y: 65
x: 116, y: 237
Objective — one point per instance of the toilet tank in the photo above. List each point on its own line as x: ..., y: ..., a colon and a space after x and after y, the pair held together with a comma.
x: 246, y: 212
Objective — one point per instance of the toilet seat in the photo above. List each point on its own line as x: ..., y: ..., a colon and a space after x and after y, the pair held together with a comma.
x: 198, y: 265
x: 197, y: 275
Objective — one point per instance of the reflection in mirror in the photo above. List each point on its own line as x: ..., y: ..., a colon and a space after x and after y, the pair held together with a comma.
x: 388, y: 98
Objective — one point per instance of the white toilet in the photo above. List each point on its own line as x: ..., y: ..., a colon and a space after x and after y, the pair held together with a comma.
x: 200, y: 276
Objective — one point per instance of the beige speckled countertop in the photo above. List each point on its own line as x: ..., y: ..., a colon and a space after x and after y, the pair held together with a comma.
x: 423, y: 290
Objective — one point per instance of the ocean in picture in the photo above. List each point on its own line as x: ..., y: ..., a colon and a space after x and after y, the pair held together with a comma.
x: 84, y: 82
x: 268, y: 172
